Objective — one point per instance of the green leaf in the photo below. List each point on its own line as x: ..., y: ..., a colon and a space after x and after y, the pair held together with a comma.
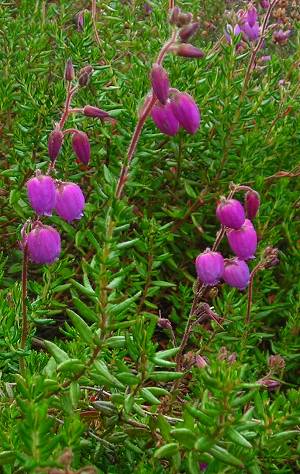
x: 84, y: 330
x: 237, y: 438
x: 185, y: 437
x: 70, y: 365
x: 120, y: 307
x: 165, y: 376
x: 149, y: 397
x: 7, y: 457
x: 193, y: 463
x: 223, y: 455
x: 85, y: 311
x: 166, y: 451
x: 128, y: 379
x: 102, y: 369
x: 199, y: 415
x: 58, y: 354
x: 167, y: 354
x: 163, y: 363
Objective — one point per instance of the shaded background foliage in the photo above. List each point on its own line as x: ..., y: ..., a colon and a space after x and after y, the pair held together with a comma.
x: 165, y: 221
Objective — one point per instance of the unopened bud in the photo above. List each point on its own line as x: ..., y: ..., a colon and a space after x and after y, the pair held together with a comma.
x: 188, y: 31
x: 200, y: 362
x: 81, y: 147
x: 84, y: 75
x: 276, y: 362
x: 187, y: 50
x: 160, y: 83
x: 269, y: 383
x: 80, y: 21
x: 55, y: 142
x: 164, y: 323
x: 91, y: 111
x: 174, y: 13
x: 252, y: 203
x: 69, y: 71
x: 184, y: 19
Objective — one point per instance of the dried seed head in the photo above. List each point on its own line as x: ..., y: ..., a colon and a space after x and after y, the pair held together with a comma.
x: 270, y: 257
x: 276, y: 362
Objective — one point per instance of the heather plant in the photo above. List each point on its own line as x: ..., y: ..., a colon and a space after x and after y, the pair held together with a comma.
x: 148, y: 322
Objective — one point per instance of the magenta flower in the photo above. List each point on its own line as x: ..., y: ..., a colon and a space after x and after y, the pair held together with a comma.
x: 230, y: 31
x: 160, y: 83
x: 41, y: 194
x: 236, y: 273
x: 70, y: 201
x: 251, y: 33
x: 210, y: 267
x: 252, y: 203
x: 186, y: 111
x: 81, y: 147
x: 251, y: 16
x: 243, y: 241
x: 165, y: 119
x: 55, y: 141
x: 281, y: 37
x: 264, y: 4
x: 230, y: 213
x: 43, y: 244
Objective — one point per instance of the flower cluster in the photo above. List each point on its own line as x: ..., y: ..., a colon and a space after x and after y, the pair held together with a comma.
x: 46, y: 194
x: 236, y: 219
x: 247, y: 26
x: 174, y: 109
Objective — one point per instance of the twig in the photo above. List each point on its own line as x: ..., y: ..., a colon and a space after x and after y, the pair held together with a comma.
x: 25, y: 325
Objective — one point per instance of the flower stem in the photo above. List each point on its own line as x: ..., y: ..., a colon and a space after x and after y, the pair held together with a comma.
x: 25, y: 325
x: 250, y: 292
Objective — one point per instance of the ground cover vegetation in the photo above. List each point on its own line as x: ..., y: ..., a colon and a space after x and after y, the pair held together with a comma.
x: 149, y: 266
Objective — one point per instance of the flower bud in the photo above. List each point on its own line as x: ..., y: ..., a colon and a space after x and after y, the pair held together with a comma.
x: 184, y: 19
x: 55, y: 141
x: 160, y: 83
x: 186, y: 111
x: 230, y: 213
x: 188, y: 31
x: 69, y: 71
x: 252, y: 202
x: 210, y: 267
x: 187, y: 50
x: 43, y: 244
x: 90, y: 111
x: 236, y: 273
x: 174, y: 13
x: 243, y: 241
x: 251, y: 33
x: 230, y: 31
x: 41, y: 194
x: 80, y: 21
x: 270, y: 384
x: 84, y: 75
x: 164, y: 119
x: 81, y: 146
x: 200, y: 362
x: 70, y: 201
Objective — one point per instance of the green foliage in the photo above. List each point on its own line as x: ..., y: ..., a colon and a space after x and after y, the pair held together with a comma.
x: 101, y: 377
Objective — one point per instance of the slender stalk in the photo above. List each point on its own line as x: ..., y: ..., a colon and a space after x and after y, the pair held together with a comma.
x: 250, y: 292
x: 94, y: 21
x: 70, y: 93
x: 25, y: 325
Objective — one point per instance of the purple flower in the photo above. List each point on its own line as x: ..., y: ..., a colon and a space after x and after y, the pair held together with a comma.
x: 187, y: 50
x: 230, y: 31
x: 160, y: 83
x: 243, y: 241
x: 95, y: 112
x: 264, y: 4
x: 186, y: 111
x: 251, y: 16
x: 41, y: 194
x: 251, y: 33
x: 81, y: 147
x: 281, y: 37
x: 165, y: 119
x: 70, y: 201
x: 210, y: 267
x: 230, y: 213
x: 236, y: 273
x: 43, y: 244
x: 55, y: 140
x: 252, y: 202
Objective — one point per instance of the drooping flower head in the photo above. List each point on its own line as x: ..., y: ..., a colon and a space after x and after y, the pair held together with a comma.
x: 43, y: 244
x: 243, y: 241
x: 230, y: 213
x: 252, y: 203
x: 55, y: 141
x: 210, y: 267
x: 160, y: 83
x: 81, y: 146
x: 186, y: 111
x: 41, y: 194
x: 164, y: 119
x: 70, y: 201
x: 236, y: 273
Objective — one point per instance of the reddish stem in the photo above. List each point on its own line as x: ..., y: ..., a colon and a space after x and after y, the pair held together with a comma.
x: 250, y: 291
